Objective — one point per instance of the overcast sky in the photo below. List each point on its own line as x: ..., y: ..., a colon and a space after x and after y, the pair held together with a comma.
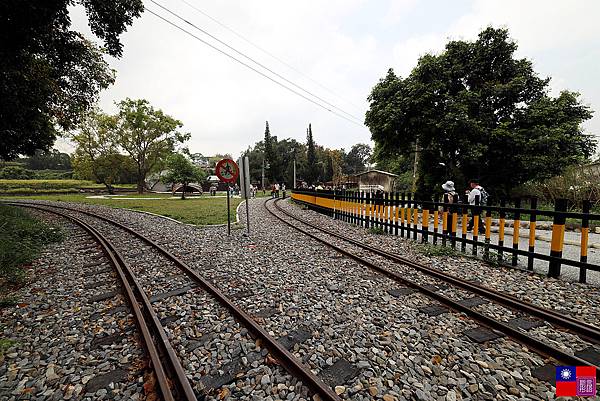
x: 344, y: 45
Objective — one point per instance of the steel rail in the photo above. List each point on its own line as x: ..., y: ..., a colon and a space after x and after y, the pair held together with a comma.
x: 288, y: 360
x: 587, y: 331
x: 540, y: 347
x: 184, y: 390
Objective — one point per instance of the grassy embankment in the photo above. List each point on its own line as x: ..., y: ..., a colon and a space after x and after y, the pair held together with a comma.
x: 27, y: 187
x: 199, y: 210
x: 22, y: 237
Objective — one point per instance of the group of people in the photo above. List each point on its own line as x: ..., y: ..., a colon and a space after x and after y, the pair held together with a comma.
x: 474, y: 193
x: 275, y: 188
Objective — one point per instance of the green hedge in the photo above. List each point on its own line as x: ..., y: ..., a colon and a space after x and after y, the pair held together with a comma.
x: 39, y: 185
x: 29, y: 191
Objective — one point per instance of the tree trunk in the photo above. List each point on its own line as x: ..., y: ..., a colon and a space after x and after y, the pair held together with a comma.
x: 183, y: 191
x: 110, y: 189
x: 140, y: 184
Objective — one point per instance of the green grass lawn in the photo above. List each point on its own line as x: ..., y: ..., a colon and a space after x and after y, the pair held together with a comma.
x: 200, y: 210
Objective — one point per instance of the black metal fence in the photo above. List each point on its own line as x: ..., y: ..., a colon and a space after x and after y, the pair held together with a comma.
x: 437, y: 222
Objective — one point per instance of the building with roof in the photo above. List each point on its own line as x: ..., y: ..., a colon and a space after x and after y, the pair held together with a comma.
x: 374, y: 180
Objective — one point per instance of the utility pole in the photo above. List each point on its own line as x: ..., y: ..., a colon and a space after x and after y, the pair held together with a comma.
x: 414, y: 183
x: 263, y: 175
x: 294, y: 186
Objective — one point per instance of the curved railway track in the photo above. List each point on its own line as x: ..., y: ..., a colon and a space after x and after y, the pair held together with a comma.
x: 583, y: 330
x: 172, y: 381
x: 154, y: 333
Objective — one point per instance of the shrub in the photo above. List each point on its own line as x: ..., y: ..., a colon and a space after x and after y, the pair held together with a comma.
x: 44, y: 185
x: 21, y: 239
x: 376, y: 230
x: 576, y: 184
x: 16, y: 173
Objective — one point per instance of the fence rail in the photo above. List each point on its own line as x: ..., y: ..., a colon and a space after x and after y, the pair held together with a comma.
x: 437, y: 221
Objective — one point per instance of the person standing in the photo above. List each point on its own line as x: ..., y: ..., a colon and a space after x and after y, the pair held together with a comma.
x: 477, y: 191
x: 277, y: 190
x: 450, y: 192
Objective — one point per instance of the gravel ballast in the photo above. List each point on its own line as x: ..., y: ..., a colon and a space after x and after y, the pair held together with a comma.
x: 363, y: 333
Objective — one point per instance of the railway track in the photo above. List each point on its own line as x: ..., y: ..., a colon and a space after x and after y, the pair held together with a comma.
x: 172, y: 379
x: 361, y: 253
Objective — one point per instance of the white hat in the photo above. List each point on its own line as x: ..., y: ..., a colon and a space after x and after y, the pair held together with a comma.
x: 448, y: 186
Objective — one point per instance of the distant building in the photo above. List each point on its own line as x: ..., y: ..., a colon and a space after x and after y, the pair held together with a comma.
x: 373, y: 180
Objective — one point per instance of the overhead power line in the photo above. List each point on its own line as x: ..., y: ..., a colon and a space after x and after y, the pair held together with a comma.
x: 270, y: 54
x: 252, y: 68
x: 253, y: 60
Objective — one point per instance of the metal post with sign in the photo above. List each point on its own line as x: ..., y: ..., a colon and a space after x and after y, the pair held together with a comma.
x: 245, y: 186
x: 227, y: 171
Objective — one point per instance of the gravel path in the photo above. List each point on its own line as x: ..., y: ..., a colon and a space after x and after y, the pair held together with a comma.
x: 219, y: 356
x: 357, y: 329
x: 69, y: 345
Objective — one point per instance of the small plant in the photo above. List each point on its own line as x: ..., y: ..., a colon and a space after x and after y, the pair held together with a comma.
x: 8, y: 301
x: 5, y: 344
x: 376, y: 230
x: 436, y: 250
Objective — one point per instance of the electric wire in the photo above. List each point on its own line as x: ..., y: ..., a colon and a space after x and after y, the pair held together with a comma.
x: 252, y: 68
x: 253, y: 60
x: 268, y: 53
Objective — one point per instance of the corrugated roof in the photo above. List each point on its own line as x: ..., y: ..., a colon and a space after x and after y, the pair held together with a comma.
x: 377, y: 171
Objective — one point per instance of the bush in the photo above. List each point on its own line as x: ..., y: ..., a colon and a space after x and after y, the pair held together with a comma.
x: 576, y: 184
x: 376, y: 230
x: 21, y: 239
x: 436, y: 250
x: 29, y: 191
x: 16, y: 173
x: 44, y: 185
x: 20, y: 173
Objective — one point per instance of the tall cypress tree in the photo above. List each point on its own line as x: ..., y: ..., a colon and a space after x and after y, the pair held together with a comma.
x: 311, y: 157
x: 269, y: 154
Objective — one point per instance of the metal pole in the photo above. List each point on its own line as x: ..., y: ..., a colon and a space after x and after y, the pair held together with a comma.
x: 246, y: 189
x: 228, y: 213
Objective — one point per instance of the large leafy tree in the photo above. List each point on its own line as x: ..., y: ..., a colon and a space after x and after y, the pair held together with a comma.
x: 96, y: 156
x: 357, y: 158
x: 476, y: 110
x: 147, y: 135
x: 182, y: 171
x: 48, y: 160
x: 49, y: 74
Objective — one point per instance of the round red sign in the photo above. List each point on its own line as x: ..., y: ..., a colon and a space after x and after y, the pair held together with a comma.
x: 227, y: 170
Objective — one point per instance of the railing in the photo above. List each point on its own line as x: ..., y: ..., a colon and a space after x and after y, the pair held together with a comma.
x: 438, y: 221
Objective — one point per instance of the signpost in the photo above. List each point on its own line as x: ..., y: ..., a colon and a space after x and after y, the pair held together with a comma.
x: 228, y: 171
x: 245, y: 186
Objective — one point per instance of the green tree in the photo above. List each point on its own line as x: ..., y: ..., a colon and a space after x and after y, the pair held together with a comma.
x: 147, y: 135
x: 272, y: 167
x: 48, y: 160
x: 96, y: 156
x: 481, y: 112
x: 312, y: 173
x: 182, y: 171
x: 357, y: 158
x: 49, y: 74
